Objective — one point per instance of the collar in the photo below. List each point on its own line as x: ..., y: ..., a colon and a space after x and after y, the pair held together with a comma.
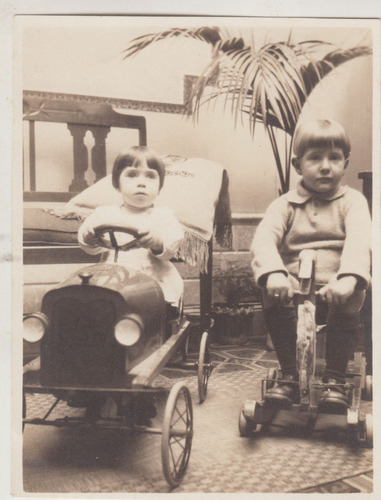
x: 136, y: 210
x: 300, y: 194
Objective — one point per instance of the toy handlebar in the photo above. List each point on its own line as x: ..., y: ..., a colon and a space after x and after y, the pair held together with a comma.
x: 307, y: 272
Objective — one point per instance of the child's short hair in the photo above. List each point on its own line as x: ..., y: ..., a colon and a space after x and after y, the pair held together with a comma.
x: 135, y: 156
x: 320, y: 134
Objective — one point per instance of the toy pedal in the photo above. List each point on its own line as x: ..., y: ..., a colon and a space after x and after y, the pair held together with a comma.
x: 352, y: 417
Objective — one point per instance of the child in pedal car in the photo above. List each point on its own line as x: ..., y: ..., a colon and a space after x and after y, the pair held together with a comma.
x: 138, y: 174
x: 323, y: 215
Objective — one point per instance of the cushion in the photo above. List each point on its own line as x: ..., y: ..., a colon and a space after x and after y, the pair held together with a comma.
x: 42, y: 228
x: 195, y: 188
x: 191, y: 188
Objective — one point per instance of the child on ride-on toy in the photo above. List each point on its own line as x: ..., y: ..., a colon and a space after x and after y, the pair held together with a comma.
x: 323, y: 215
x: 138, y: 174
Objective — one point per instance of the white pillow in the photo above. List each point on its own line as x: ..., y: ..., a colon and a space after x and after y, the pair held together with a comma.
x: 191, y: 188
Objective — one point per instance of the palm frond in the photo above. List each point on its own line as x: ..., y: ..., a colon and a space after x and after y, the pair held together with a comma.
x: 204, y: 34
x: 269, y: 85
x: 317, y: 70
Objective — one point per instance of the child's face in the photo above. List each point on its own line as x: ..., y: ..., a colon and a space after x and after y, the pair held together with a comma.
x: 321, y: 168
x: 139, y: 185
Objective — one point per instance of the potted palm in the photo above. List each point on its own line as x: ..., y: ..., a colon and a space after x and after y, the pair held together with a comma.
x: 269, y: 84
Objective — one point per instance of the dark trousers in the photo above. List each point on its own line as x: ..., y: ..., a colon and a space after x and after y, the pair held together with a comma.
x: 342, y: 333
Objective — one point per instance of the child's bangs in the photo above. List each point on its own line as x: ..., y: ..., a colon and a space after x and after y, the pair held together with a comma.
x: 321, y: 134
x: 143, y: 155
x: 325, y: 142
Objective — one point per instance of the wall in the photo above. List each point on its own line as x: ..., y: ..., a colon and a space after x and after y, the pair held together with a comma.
x: 87, y: 58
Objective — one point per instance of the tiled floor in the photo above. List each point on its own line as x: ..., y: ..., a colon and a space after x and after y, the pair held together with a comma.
x: 362, y: 483
x: 282, y: 460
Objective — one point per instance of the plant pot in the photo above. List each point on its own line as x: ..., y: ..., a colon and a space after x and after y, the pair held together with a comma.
x: 232, y: 324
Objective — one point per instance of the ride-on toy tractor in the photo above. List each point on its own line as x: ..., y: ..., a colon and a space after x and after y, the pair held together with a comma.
x: 258, y: 415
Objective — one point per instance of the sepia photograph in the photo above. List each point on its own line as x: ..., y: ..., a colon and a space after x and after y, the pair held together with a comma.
x: 192, y: 210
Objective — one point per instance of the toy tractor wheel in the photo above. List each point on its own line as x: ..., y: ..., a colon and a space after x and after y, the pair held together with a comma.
x: 368, y: 431
x: 353, y: 435
x: 204, y: 368
x: 355, y: 426
x: 246, y: 427
x: 368, y: 388
x: 177, y: 434
x: 271, y: 377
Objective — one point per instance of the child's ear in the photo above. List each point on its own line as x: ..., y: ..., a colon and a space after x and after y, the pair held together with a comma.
x: 296, y: 164
x: 346, y: 163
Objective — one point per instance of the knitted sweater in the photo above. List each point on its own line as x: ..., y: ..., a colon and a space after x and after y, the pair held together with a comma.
x: 337, y: 227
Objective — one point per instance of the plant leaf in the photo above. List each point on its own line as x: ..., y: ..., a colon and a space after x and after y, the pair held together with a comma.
x: 269, y: 85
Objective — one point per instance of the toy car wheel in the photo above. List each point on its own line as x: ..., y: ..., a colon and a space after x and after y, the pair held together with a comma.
x: 177, y: 434
x: 368, y: 388
x: 204, y: 367
x: 368, y: 430
x: 246, y: 427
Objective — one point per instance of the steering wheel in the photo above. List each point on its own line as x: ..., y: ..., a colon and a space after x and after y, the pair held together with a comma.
x: 111, y: 229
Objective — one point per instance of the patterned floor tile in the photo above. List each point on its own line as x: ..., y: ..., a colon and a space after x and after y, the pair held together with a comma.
x: 281, y: 460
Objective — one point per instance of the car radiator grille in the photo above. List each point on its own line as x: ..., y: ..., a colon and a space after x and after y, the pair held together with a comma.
x: 80, y: 348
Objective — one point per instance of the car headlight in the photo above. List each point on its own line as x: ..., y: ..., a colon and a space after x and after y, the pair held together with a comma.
x: 35, y: 326
x: 129, y: 329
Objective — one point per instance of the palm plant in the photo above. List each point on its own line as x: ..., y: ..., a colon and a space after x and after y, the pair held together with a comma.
x: 269, y: 85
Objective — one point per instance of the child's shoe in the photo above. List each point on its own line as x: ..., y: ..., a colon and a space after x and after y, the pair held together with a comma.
x: 285, y: 392
x: 334, y: 398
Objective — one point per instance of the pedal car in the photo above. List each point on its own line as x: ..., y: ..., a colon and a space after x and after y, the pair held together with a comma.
x: 104, y: 338
x: 258, y: 415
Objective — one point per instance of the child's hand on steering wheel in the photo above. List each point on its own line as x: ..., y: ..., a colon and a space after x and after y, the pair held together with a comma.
x: 279, y: 287
x: 338, y: 291
x: 89, y: 236
x: 150, y: 239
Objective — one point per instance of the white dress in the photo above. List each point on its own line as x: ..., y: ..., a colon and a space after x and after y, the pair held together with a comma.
x: 159, y: 267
